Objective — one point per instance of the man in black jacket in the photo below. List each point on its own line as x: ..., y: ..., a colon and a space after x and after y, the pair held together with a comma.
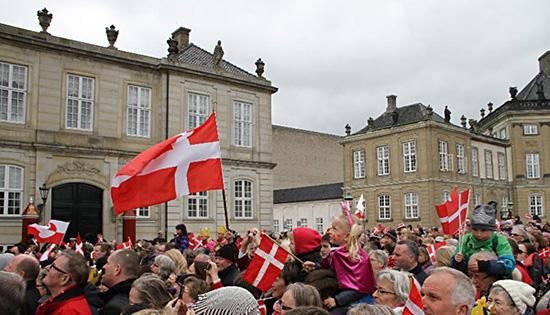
x: 405, y: 258
x: 121, y: 270
x: 226, y: 259
x: 27, y: 267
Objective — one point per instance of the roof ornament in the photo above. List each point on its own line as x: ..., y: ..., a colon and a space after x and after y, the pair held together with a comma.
x: 513, y: 92
x: 490, y: 106
x: 430, y: 111
x: 112, y: 35
x: 447, y: 114
x: 218, y: 54
x: 370, y: 121
x: 260, y: 65
x: 395, y: 116
x: 44, y: 18
x: 172, y: 47
x: 540, y: 90
x: 473, y: 125
x: 482, y: 112
x: 348, y: 129
x: 463, y: 121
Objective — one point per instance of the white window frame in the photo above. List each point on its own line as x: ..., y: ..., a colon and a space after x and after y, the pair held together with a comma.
x: 288, y: 225
x: 242, y: 125
x: 530, y: 130
x: 141, y: 104
x: 489, y: 171
x: 302, y: 222
x: 461, y: 158
x: 384, y: 207
x: 358, y: 164
x: 445, y: 196
x: 477, y: 199
x: 501, y: 160
x: 276, y: 226
x: 383, y: 160
x: 80, y: 99
x: 320, y: 225
x: 243, y: 199
x: 143, y: 212
x: 443, y: 155
x: 504, y: 210
x: 412, y: 211
x: 198, y: 106
x: 409, y: 156
x: 536, y: 204
x: 502, y: 133
x: 532, y: 165
x: 11, y: 191
x: 9, y: 90
x: 197, y: 205
x: 475, y: 161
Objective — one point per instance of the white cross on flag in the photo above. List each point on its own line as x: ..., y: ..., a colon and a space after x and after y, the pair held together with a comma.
x: 453, y: 213
x: 269, y: 259
x: 414, y: 304
x: 432, y: 249
x: 186, y: 163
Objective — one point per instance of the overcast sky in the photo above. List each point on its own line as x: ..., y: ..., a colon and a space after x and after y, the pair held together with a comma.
x: 333, y: 61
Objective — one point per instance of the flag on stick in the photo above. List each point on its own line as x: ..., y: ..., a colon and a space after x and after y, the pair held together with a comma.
x: 453, y: 212
x: 52, y: 233
x: 414, y: 304
x: 432, y: 249
x: 78, y: 245
x: 186, y: 163
x: 46, y: 254
x: 269, y: 259
x: 360, y: 208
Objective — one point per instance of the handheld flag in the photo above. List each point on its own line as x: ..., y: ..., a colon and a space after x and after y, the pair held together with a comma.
x: 78, y: 245
x: 52, y: 233
x: 453, y: 212
x: 269, y: 259
x: 414, y: 304
x: 360, y: 212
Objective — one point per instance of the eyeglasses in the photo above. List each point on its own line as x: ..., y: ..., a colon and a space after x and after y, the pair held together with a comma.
x: 57, y: 268
x: 381, y: 291
x: 283, y: 307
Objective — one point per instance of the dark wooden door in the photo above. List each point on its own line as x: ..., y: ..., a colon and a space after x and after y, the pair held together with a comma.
x: 81, y: 204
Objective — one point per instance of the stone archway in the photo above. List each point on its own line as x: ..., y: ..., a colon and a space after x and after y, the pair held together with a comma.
x: 81, y: 204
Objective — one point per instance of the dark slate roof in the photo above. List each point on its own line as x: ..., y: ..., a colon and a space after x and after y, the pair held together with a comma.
x: 310, y: 193
x: 529, y: 92
x: 409, y: 114
x: 194, y: 55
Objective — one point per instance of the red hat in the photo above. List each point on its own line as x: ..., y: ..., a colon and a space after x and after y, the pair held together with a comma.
x: 305, y: 240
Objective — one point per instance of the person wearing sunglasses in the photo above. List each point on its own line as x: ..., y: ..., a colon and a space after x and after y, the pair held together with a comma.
x: 66, y: 279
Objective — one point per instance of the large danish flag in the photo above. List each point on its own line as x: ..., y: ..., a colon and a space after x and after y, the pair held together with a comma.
x: 186, y: 163
x: 453, y: 212
x: 269, y: 259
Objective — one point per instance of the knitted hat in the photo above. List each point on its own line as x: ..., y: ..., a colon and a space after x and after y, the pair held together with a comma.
x: 521, y: 293
x: 227, y: 300
x: 484, y: 218
x: 306, y: 240
x: 227, y: 252
x: 391, y: 234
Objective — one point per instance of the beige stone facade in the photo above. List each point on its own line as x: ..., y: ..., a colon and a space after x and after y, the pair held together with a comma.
x: 43, y: 146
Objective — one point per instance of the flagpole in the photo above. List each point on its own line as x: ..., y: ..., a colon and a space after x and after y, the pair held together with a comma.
x: 225, y: 209
x: 461, y: 234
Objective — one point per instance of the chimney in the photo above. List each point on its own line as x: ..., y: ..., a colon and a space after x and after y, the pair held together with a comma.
x: 544, y: 63
x: 391, y: 103
x: 182, y: 36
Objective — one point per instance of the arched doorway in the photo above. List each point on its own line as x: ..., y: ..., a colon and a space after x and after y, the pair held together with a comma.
x: 81, y: 204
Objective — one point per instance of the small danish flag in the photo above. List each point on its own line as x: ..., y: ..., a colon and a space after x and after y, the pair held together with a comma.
x: 269, y: 259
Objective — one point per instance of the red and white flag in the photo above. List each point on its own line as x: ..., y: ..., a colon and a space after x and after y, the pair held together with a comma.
x: 46, y: 254
x: 360, y: 208
x: 453, y: 212
x: 125, y: 245
x: 269, y: 259
x: 432, y: 249
x: 52, y: 233
x: 78, y: 245
x: 186, y: 163
x: 414, y: 305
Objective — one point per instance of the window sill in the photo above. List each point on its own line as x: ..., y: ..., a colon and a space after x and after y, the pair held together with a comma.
x: 384, y: 220
x: 412, y: 219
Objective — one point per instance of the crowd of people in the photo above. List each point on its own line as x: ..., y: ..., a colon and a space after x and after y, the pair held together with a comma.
x: 492, y: 267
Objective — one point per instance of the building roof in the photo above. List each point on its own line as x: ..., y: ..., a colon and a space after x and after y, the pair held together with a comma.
x: 309, y: 193
x: 530, y: 91
x: 408, y: 114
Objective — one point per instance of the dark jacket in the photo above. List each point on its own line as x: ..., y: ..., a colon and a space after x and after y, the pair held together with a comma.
x: 229, y: 276
x: 31, y: 298
x: 71, y: 301
x: 116, y: 298
x: 419, y: 274
x: 92, y: 296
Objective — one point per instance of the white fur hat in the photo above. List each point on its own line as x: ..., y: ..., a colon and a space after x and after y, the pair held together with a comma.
x: 521, y: 293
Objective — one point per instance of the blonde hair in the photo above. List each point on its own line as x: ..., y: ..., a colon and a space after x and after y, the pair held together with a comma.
x: 443, y: 256
x: 354, y: 233
x: 178, y: 259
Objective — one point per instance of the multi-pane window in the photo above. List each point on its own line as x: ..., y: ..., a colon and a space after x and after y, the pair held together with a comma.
x: 319, y: 225
x: 532, y: 165
x: 243, y: 199
x: 409, y: 156
x: 287, y: 226
x: 384, y: 207
x: 197, y: 205
x: 445, y: 196
x: 276, y: 227
x: 11, y: 189
x: 536, y: 205
x: 359, y: 164
x: 411, y: 205
x: 502, y: 133
x: 475, y: 161
x: 488, y: 164
x: 383, y: 158
x: 530, y: 130
x: 460, y: 159
x: 443, y: 156
x: 142, y: 212
x: 139, y: 111
x: 477, y: 199
x: 302, y: 222
x: 242, y: 124
x: 504, y: 210
x: 501, y: 166
x: 13, y: 92
x: 80, y: 102
x: 198, y: 110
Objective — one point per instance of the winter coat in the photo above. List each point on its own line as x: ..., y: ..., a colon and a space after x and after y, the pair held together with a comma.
x: 116, y: 298
x: 69, y: 302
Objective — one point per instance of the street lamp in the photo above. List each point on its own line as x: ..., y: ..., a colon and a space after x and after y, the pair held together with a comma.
x: 44, y: 192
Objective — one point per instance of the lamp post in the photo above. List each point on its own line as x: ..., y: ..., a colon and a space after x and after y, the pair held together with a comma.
x: 44, y: 193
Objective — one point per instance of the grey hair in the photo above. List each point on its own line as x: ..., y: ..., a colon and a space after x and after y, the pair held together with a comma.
x: 370, y: 309
x: 152, y: 291
x: 166, y: 266
x: 380, y: 256
x: 400, y: 281
x: 464, y: 292
x: 12, y: 291
x: 304, y: 294
x: 483, y: 255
